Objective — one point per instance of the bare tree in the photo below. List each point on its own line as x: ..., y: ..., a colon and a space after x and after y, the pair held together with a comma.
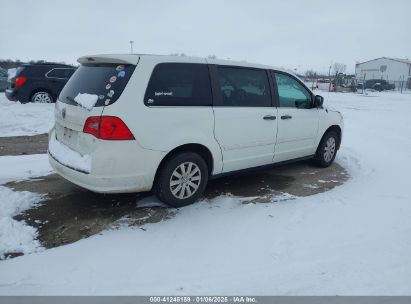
x: 212, y: 57
x: 339, y: 67
x: 311, y: 74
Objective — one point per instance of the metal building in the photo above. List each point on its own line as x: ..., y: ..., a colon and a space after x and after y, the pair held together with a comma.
x: 394, y: 70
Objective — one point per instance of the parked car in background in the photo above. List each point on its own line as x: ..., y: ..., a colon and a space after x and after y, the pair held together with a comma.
x: 323, y: 80
x: 132, y: 123
x: 3, y: 80
x: 38, y: 82
x: 376, y: 84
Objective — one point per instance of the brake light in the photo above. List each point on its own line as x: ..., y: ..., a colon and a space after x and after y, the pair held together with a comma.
x: 108, y: 128
x: 92, y: 126
x: 20, y: 81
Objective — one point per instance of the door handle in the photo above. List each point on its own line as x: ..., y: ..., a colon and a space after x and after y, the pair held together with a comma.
x: 286, y: 117
x: 269, y: 117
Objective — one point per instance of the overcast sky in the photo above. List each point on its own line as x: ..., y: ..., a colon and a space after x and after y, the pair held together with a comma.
x: 288, y: 33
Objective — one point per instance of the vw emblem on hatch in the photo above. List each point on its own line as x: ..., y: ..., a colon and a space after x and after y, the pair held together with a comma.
x: 63, y: 113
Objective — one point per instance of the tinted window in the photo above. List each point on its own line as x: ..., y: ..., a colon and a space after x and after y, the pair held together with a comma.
x: 60, y: 73
x: 25, y: 71
x: 104, y: 80
x: 19, y: 70
x: 242, y: 87
x: 179, y: 84
x: 292, y: 93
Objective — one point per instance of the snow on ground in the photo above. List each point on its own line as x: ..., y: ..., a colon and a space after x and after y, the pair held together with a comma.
x: 18, y: 119
x: 352, y: 240
x: 16, y: 236
x: 22, y: 167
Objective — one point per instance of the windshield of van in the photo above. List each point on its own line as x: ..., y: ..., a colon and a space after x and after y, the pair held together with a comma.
x: 105, y: 80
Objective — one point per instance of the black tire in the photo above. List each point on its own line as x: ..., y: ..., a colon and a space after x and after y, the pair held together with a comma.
x: 42, y: 96
x: 323, y: 158
x: 165, y: 177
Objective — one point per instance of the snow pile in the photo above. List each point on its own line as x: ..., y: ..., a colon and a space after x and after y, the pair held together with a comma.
x: 16, y: 236
x: 11, y: 73
x: 149, y: 202
x: 18, y: 119
x: 22, y: 167
x: 69, y: 157
x: 86, y: 100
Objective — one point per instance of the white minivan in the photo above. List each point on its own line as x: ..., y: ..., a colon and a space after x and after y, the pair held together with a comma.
x: 132, y: 123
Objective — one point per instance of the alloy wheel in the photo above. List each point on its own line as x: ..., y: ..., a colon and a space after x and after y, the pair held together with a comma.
x: 329, y: 149
x: 185, y: 180
x: 42, y: 97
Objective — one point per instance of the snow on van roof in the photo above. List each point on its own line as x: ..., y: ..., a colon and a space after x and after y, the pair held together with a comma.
x: 134, y: 58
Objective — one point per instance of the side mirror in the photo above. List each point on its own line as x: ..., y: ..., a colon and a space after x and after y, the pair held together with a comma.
x: 318, y: 101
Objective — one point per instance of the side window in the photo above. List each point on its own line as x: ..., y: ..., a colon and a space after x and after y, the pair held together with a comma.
x: 243, y: 87
x: 68, y: 73
x: 60, y: 73
x: 179, y: 84
x: 292, y: 94
x: 53, y: 73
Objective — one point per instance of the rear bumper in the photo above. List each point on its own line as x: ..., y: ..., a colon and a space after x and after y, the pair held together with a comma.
x: 17, y: 94
x: 102, y: 184
x: 132, y: 171
x: 10, y: 94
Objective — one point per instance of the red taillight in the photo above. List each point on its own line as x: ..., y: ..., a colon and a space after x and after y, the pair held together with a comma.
x: 20, y: 81
x: 107, y: 127
x: 92, y: 126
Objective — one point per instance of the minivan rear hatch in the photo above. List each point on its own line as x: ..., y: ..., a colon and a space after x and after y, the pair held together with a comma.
x: 95, y: 84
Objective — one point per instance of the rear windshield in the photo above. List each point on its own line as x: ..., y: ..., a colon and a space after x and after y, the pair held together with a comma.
x: 19, y: 70
x: 33, y: 70
x: 107, y: 81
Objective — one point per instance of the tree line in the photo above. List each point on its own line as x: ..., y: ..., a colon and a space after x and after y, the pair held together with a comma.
x: 10, y: 64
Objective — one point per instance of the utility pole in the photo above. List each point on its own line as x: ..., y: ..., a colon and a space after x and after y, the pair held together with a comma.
x: 329, y: 79
x: 314, y: 76
x: 131, y: 46
x: 402, y: 82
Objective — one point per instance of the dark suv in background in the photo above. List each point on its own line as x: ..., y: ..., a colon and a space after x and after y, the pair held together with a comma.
x: 377, y: 84
x: 3, y: 80
x: 38, y: 82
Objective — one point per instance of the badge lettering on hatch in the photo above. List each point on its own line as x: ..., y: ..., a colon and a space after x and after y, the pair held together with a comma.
x: 63, y: 113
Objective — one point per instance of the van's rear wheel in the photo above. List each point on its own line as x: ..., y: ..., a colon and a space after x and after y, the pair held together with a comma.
x: 327, y: 149
x: 182, y: 179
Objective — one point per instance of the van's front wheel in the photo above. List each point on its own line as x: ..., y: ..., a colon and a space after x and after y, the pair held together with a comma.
x: 182, y: 179
x: 327, y: 149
